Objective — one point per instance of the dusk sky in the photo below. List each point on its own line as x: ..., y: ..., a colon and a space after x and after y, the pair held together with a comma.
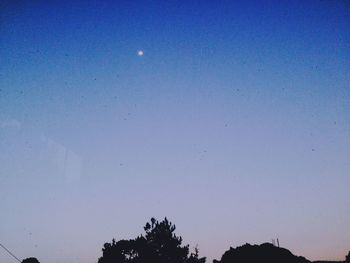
x: 234, y: 123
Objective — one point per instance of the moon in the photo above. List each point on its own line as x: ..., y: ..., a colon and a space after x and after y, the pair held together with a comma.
x: 140, y: 53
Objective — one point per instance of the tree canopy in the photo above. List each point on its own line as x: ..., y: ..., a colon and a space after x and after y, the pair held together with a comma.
x: 30, y: 260
x: 160, y: 244
x: 260, y: 253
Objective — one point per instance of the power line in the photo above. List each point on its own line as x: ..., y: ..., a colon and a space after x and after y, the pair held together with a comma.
x: 8, y: 251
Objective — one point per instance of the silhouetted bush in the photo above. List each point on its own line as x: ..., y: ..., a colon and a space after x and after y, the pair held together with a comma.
x: 159, y: 245
x: 260, y: 253
x: 30, y: 260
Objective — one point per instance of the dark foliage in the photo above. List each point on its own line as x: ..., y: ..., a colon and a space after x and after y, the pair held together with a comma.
x: 347, y: 258
x: 30, y: 260
x: 260, y: 253
x: 159, y: 245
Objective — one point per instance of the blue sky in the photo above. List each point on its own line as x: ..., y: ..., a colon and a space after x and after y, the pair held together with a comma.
x: 234, y: 124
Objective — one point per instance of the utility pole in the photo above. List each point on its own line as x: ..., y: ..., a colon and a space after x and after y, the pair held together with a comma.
x: 8, y: 251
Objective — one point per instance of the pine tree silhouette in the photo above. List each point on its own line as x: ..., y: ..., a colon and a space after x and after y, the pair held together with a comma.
x: 159, y: 245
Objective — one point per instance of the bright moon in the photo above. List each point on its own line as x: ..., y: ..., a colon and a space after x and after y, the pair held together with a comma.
x: 140, y: 53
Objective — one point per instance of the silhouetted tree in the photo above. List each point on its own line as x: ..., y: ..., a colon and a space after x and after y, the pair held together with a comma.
x: 263, y: 253
x: 118, y: 252
x: 347, y: 258
x: 30, y: 260
x: 194, y: 257
x: 159, y: 245
x: 162, y: 243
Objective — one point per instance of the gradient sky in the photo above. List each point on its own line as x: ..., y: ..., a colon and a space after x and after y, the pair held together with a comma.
x: 235, y: 124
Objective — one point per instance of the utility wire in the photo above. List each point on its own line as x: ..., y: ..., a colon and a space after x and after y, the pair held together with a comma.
x: 8, y: 251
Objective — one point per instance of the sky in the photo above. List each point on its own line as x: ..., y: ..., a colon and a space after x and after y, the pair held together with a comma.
x: 234, y: 123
